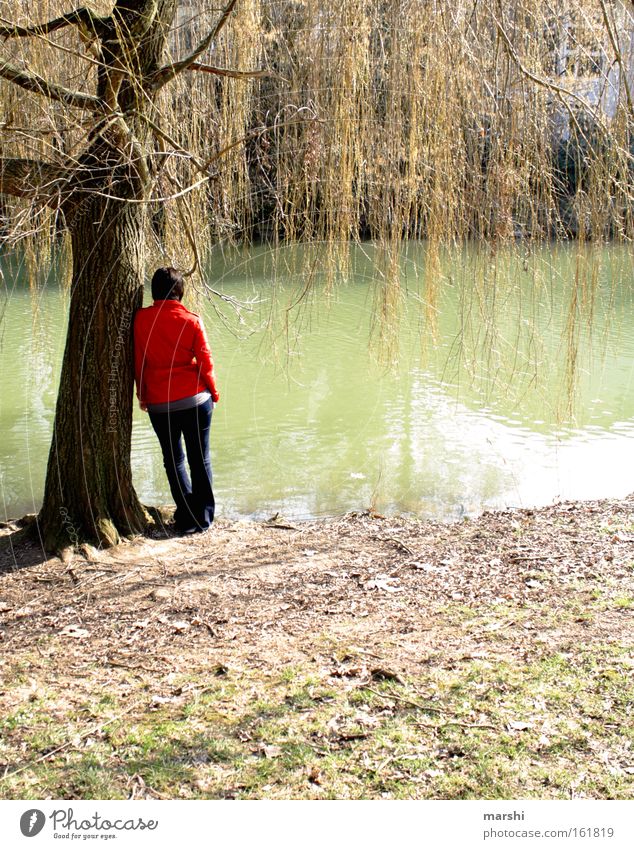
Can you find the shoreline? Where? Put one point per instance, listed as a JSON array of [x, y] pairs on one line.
[[278, 519]]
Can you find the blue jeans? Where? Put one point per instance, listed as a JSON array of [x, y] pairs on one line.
[[194, 499]]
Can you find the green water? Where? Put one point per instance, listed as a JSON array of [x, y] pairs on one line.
[[317, 417]]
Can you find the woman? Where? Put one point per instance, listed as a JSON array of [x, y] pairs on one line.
[[176, 384]]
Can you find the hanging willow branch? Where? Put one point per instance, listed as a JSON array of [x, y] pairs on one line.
[[168, 72], [563, 93], [422, 128], [618, 53]]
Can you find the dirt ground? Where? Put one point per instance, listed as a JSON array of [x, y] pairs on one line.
[[267, 589], [363, 597]]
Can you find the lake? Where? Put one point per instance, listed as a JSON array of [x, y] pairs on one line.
[[498, 379]]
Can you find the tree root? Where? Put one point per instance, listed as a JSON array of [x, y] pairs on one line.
[[66, 544]]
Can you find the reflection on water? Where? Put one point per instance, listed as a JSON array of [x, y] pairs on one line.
[[476, 413]]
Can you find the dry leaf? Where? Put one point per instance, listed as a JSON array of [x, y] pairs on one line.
[[379, 584], [270, 751], [314, 775], [156, 701], [349, 672], [74, 631], [365, 719], [380, 674]]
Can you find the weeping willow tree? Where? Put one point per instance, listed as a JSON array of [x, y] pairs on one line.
[[151, 126]]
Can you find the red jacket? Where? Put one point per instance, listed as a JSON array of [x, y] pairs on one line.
[[172, 359]]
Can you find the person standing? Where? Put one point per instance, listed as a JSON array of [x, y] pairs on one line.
[[176, 385]]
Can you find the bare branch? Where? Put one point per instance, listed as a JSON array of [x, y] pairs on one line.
[[32, 178], [84, 18], [33, 82], [623, 70], [563, 93], [152, 200], [202, 167], [229, 72], [163, 136], [167, 73], [87, 36]]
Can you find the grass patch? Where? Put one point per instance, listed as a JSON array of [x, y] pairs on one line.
[[549, 728]]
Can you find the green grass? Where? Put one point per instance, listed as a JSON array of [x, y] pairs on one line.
[[560, 726]]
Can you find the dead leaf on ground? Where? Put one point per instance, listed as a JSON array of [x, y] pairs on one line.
[[269, 752], [382, 584], [160, 594], [314, 775], [157, 701], [349, 672], [518, 725], [381, 674], [74, 631]]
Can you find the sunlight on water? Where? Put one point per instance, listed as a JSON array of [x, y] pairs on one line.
[[475, 414]]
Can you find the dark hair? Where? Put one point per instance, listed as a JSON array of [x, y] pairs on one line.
[[167, 285]]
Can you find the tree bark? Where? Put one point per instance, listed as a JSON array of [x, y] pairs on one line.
[[89, 492]]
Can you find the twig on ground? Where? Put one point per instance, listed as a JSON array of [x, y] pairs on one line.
[[420, 724], [516, 558], [395, 540], [431, 725], [397, 698], [132, 666]]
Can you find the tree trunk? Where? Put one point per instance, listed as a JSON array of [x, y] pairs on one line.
[[89, 492]]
